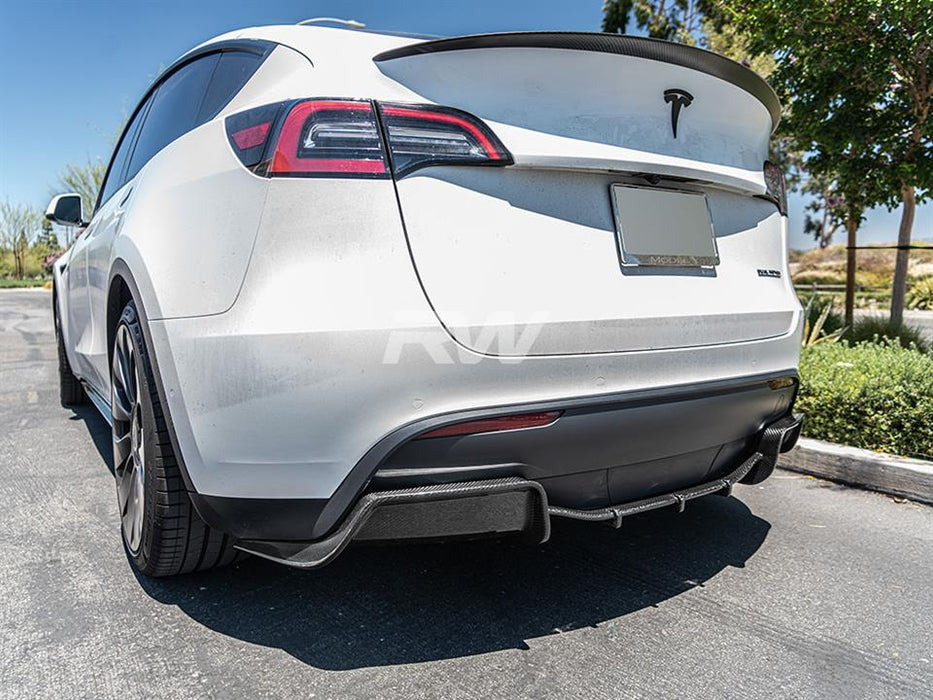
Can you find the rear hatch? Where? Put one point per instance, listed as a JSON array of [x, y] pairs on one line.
[[593, 241]]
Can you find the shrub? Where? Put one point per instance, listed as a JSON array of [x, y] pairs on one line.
[[920, 295], [865, 328], [817, 314], [875, 395], [815, 306], [874, 328]]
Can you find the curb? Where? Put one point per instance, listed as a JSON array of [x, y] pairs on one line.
[[897, 476]]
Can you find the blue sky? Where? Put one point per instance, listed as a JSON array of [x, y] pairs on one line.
[[73, 69]]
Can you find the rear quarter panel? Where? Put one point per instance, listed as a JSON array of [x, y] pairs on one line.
[[189, 232]]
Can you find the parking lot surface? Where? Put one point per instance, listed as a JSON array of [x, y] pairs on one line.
[[794, 588]]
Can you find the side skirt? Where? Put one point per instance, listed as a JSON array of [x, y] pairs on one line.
[[101, 404]]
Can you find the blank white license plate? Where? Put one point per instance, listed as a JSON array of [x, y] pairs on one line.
[[663, 228]]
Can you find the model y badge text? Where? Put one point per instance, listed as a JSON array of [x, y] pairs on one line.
[[678, 99]]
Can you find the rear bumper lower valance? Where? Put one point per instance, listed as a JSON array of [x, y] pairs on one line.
[[500, 506]]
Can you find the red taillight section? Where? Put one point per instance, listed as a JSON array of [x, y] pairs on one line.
[[251, 136], [423, 135], [249, 133], [329, 137], [492, 425], [775, 186], [344, 138]]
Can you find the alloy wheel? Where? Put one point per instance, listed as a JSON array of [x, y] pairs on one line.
[[128, 438]]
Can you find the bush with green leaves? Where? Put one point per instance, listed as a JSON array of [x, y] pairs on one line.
[[873, 328], [874, 395], [920, 295], [824, 323]]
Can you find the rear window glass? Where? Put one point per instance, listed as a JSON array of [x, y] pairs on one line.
[[174, 110], [231, 74]]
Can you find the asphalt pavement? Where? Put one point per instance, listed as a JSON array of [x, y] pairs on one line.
[[794, 588]]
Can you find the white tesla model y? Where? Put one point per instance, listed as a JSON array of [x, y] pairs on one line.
[[342, 285]]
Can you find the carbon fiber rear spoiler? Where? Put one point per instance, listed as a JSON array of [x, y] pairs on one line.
[[638, 47]]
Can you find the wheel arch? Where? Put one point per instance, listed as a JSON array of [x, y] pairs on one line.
[[118, 296], [123, 288]]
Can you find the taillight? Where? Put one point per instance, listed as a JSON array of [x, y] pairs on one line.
[[775, 187], [423, 135], [492, 425], [249, 131], [344, 138], [327, 137]]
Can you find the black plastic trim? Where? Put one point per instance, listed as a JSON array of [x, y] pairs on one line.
[[313, 519], [535, 523], [762, 461], [258, 518], [359, 477], [98, 401], [639, 47]]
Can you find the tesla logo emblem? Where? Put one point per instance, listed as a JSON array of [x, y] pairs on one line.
[[678, 98]]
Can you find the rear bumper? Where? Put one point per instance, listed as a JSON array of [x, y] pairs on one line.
[[509, 505], [618, 449]]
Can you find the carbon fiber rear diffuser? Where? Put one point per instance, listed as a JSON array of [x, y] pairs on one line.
[[614, 514], [499, 506]]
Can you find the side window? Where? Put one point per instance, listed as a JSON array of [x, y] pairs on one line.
[[174, 109], [115, 177], [233, 70]]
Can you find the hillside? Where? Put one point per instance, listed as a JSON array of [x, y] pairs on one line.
[[875, 267]]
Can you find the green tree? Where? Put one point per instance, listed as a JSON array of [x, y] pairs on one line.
[[19, 225], [855, 78], [674, 20], [46, 241], [85, 179], [823, 214], [725, 39], [901, 36]]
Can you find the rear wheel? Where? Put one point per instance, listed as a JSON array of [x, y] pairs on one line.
[[70, 391], [163, 534]]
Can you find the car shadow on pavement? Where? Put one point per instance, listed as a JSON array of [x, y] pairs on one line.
[[407, 603], [410, 603], [99, 431]]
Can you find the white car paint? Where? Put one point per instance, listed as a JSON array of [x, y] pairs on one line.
[[271, 303]]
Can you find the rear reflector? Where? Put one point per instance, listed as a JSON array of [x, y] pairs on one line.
[[492, 425], [344, 138], [251, 136]]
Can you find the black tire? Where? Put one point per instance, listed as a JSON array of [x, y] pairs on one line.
[[172, 539], [70, 391]]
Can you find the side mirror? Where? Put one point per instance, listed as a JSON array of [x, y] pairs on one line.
[[65, 209]]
